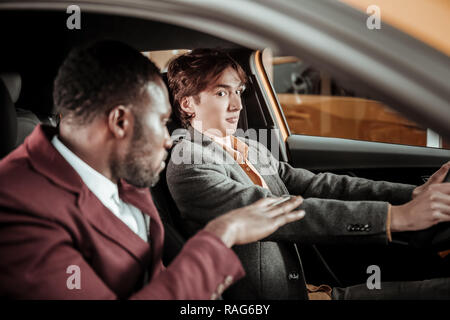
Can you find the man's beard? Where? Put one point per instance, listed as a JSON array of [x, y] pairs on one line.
[[135, 168], [139, 174]]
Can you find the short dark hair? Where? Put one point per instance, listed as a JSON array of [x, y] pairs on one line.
[[192, 73], [96, 77]]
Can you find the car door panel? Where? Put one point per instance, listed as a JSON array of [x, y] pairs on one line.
[[377, 161], [372, 160]]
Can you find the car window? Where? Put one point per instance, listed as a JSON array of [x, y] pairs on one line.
[[162, 57], [315, 104]]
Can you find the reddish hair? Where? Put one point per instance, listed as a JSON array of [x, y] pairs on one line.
[[192, 73]]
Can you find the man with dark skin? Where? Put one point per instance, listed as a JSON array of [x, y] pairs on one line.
[[76, 197]]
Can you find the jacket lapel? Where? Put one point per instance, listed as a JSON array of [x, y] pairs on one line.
[[111, 227], [274, 183], [47, 160], [275, 186], [196, 137], [141, 199]]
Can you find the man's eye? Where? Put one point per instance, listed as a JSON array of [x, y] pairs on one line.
[[221, 93]]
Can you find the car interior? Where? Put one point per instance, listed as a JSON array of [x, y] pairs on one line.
[[30, 59]]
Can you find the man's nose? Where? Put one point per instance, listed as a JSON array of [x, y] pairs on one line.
[[235, 103], [168, 140], [168, 144]]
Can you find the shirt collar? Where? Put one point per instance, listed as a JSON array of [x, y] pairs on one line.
[[239, 149], [102, 187]]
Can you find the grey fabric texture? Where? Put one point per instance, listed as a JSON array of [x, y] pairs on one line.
[[205, 182]]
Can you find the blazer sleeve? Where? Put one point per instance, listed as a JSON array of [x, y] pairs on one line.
[[342, 187], [204, 191], [35, 254], [357, 206]]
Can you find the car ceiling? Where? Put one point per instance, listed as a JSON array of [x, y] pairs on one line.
[[400, 70], [37, 42]]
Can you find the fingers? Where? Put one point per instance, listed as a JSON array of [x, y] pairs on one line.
[[285, 207], [281, 200], [281, 220], [268, 202], [439, 175], [264, 202], [439, 207], [439, 198], [441, 217], [443, 188], [447, 165]]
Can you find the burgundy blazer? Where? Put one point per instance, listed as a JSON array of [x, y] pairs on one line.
[[49, 221]]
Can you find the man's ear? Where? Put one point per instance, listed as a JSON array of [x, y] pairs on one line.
[[120, 120], [187, 105]]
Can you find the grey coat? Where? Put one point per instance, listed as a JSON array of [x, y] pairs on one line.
[[205, 182]]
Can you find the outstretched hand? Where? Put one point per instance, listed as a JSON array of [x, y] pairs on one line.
[[256, 221]]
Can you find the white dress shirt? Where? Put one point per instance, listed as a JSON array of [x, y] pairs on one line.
[[106, 191]]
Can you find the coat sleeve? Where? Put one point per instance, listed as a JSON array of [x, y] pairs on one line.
[[204, 191], [341, 187], [35, 253], [357, 196]]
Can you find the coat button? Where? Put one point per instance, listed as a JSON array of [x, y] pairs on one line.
[[349, 227], [214, 296]]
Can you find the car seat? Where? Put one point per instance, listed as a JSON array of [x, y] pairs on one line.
[[8, 118], [168, 211], [17, 122]]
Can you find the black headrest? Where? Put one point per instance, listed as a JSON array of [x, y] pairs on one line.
[[8, 121], [166, 82], [13, 83], [175, 122], [165, 79]]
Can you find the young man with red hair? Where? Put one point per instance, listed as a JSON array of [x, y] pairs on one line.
[[212, 171]]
